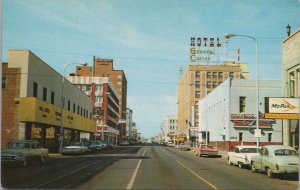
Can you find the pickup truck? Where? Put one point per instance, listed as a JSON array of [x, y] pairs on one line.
[[242, 155], [23, 151]]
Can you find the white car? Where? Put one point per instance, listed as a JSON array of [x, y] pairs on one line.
[[276, 159], [75, 147], [242, 155]]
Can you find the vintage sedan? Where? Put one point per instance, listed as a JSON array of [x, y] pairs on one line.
[[241, 155], [276, 159], [205, 149], [23, 151], [75, 147]]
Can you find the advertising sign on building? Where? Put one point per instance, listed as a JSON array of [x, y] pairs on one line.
[[249, 121], [204, 49], [283, 105]]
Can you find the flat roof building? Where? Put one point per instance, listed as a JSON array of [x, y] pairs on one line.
[[32, 99]]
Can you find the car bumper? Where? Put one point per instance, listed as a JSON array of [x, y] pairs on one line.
[[287, 170]]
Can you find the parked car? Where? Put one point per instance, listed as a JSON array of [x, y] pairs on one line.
[[96, 145], [184, 146], [171, 144], [276, 159], [23, 151], [241, 155], [110, 146], [204, 149], [124, 143], [75, 147]]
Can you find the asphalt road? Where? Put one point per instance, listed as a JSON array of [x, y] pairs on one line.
[[138, 167]]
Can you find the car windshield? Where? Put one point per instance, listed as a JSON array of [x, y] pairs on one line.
[[250, 150], [17, 145], [75, 143], [285, 152]]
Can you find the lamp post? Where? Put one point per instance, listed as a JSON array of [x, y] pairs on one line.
[[61, 135], [228, 36]]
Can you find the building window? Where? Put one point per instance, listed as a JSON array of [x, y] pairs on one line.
[[74, 108], [242, 104], [197, 84], [3, 82], [83, 87], [88, 87], [197, 74], [240, 136], [98, 99], [215, 84], [99, 88], [69, 105], [35, 89], [119, 83], [215, 75], [208, 84], [52, 97], [220, 75], [119, 76], [44, 94], [231, 74], [269, 137], [292, 84], [197, 94], [78, 110], [208, 75]]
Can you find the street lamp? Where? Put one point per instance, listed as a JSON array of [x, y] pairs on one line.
[[61, 135], [228, 36]]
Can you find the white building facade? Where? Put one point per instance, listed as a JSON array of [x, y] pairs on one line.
[[169, 128], [228, 114]]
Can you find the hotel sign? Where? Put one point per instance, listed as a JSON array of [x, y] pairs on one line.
[[202, 49]]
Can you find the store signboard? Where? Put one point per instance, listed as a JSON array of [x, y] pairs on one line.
[[282, 105]]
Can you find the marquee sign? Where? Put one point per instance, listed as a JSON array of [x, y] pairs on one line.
[[202, 49], [249, 120]]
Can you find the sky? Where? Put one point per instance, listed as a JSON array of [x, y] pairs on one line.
[[149, 40]]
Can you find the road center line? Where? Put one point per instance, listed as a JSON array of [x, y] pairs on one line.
[[202, 179], [130, 184]]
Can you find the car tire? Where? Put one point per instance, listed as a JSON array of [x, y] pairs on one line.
[[25, 162], [240, 165], [42, 160], [254, 170], [269, 172], [229, 162]]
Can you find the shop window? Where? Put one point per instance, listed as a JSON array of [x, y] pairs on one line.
[[242, 104], [231, 74]]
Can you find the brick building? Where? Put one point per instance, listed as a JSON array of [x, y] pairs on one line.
[[104, 68]]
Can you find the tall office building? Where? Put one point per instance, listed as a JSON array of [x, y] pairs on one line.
[[196, 83], [104, 68]]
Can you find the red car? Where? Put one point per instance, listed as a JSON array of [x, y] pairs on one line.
[[207, 150]]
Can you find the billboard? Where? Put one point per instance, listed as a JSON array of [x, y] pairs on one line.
[[282, 105]]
